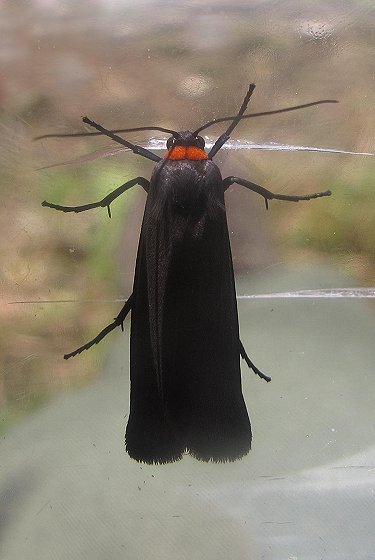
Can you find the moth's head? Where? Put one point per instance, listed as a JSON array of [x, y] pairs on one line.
[[185, 138]]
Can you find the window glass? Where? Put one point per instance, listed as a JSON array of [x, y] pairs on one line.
[[304, 275]]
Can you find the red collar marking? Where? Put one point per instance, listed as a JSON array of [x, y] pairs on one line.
[[186, 152]]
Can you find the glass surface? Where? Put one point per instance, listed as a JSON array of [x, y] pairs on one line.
[[67, 487]]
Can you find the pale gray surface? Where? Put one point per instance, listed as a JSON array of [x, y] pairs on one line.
[[306, 490]]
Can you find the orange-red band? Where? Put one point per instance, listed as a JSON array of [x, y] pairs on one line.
[[186, 152]]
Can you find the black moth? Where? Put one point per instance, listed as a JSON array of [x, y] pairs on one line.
[[185, 348]]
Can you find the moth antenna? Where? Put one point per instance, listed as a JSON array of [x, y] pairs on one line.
[[264, 113], [82, 134]]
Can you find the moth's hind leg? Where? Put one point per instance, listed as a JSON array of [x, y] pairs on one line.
[[244, 355], [118, 321]]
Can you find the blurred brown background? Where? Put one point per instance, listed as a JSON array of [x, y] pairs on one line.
[[178, 65]]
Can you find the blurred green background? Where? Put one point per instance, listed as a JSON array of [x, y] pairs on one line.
[[176, 65]]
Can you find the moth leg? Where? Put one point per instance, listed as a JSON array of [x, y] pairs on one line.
[[226, 135], [268, 195], [133, 147], [251, 365], [106, 201], [119, 320]]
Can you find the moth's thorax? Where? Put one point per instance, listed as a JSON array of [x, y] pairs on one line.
[[186, 152]]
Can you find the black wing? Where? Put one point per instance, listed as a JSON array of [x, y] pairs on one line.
[[185, 373]]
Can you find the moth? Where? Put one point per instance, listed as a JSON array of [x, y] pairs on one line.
[[185, 347]]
